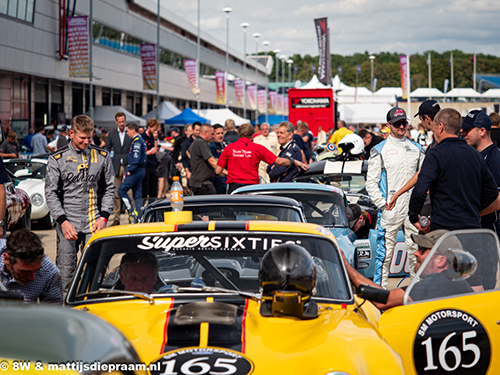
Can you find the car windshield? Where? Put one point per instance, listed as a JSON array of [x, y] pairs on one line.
[[350, 183], [458, 261], [320, 207], [230, 212], [23, 170], [229, 260]]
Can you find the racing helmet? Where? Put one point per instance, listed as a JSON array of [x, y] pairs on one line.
[[326, 151], [352, 143], [287, 267]]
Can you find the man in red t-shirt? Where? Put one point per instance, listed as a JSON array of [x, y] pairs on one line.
[[242, 158]]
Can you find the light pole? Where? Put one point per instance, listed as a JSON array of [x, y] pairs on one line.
[[198, 64], [158, 62], [91, 88], [372, 59], [266, 43], [245, 26], [276, 52], [289, 62], [256, 36], [282, 58], [227, 10]]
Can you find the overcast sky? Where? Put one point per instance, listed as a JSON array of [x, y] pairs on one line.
[[404, 26]]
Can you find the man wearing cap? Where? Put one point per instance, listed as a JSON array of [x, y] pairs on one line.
[[370, 140], [393, 162], [460, 185], [437, 280], [476, 128], [361, 221], [426, 113], [25, 269]]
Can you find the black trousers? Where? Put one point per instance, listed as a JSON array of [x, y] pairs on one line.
[[150, 184]]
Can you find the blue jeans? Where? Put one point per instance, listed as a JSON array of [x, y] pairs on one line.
[[134, 182]]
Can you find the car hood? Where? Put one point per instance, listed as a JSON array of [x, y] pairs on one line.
[[31, 185], [339, 339]]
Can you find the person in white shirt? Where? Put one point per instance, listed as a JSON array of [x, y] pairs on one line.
[[270, 141]]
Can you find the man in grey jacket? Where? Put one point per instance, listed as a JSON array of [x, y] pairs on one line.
[[79, 188]]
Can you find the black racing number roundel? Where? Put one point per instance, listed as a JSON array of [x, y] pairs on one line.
[[200, 361], [453, 342]]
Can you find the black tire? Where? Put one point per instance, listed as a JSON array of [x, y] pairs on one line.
[[46, 222], [25, 221]]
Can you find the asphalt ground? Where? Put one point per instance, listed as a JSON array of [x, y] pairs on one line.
[[49, 240]]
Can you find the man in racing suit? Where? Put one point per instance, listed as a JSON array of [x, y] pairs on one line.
[[79, 188], [392, 163]]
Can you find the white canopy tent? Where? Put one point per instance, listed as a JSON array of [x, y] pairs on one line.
[[105, 116], [337, 84], [219, 116], [354, 95], [424, 92], [365, 113], [167, 110], [314, 83], [463, 93], [491, 93]]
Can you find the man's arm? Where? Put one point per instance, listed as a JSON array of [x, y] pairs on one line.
[[3, 204], [428, 174], [108, 178], [411, 182], [495, 206], [52, 292]]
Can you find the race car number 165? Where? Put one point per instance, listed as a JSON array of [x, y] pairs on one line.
[[451, 341], [201, 361]]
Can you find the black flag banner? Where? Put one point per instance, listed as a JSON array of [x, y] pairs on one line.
[[324, 65]]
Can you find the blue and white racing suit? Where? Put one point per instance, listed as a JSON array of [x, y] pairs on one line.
[[392, 163]]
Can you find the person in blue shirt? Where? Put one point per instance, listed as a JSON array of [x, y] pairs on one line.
[[136, 170], [289, 150]]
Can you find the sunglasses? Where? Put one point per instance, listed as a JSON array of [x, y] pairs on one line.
[[26, 254], [400, 124]]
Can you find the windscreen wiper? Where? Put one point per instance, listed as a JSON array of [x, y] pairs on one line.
[[100, 291]]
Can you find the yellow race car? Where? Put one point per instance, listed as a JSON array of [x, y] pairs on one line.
[[231, 298]]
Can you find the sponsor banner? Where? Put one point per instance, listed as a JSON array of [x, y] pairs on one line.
[[148, 62], [285, 105], [191, 68], [311, 102], [272, 101], [261, 97], [324, 70], [239, 89], [403, 64], [251, 96], [279, 104], [78, 47], [220, 86]]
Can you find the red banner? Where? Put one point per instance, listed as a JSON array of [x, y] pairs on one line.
[[148, 62], [272, 101], [239, 89], [78, 47], [220, 86], [261, 97], [251, 96], [403, 64], [191, 69]]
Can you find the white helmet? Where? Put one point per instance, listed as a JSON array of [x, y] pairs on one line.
[[354, 142]]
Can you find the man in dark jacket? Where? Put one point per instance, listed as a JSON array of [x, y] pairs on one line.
[[289, 150], [370, 140]]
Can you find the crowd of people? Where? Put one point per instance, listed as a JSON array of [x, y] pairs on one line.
[[90, 176]]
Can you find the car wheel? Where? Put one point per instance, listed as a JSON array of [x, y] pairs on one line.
[[25, 221], [46, 222]]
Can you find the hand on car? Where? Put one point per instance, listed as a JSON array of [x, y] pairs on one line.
[[99, 224]]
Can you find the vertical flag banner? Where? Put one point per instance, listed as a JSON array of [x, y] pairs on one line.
[[272, 101], [279, 104], [403, 64], [324, 69], [191, 68], [261, 98], [78, 47], [220, 86], [285, 105], [148, 63], [239, 90], [251, 96]]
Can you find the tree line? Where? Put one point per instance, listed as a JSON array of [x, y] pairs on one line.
[[387, 69]]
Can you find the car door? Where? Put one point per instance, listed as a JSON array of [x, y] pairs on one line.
[[453, 334]]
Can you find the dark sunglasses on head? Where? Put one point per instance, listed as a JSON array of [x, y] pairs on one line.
[[26, 254], [400, 124]]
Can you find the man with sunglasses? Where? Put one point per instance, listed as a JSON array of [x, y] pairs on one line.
[[393, 162], [25, 269]]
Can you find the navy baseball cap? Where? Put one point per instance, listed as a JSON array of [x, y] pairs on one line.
[[64, 128], [476, 118], [175, 129], [353, 213], [396, 114], [429, 107]]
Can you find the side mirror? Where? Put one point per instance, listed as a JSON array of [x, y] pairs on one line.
[[373, 294]]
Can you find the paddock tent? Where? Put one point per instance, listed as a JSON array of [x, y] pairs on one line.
[[219, 116], [364, 113], [105, 116], [186, 117], [167, 110]]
